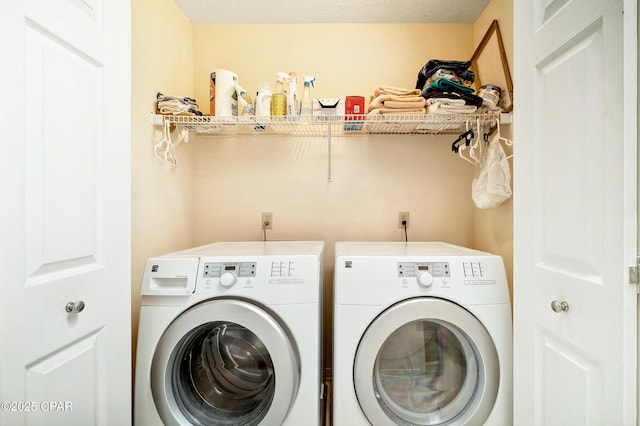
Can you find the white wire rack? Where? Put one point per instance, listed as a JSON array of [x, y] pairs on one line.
[[334, 126], [409, 124]]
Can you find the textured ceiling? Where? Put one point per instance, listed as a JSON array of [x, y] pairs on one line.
[[331, 11]]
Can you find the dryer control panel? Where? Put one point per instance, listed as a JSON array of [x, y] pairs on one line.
[[240, 270], [413, 269]]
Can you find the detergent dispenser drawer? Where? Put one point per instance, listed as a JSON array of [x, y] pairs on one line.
[[170, 277]]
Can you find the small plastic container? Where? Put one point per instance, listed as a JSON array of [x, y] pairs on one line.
[[490, 95]]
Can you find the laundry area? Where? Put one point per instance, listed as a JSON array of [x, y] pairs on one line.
[[221, 185], [279, 214], [423, 154], [317, 181]]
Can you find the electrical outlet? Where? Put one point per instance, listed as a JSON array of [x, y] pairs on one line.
[[267, 220], [403, 217]]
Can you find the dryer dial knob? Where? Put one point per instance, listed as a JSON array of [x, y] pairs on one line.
[[228, 279], [425, 279]]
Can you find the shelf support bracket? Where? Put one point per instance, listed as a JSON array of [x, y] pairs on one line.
[[329, 151]]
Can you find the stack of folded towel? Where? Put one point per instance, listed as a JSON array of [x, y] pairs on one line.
[[394, 100], [446, 86], [172, 105]]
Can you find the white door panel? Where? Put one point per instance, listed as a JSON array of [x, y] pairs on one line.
[[573, 234], [65, 210], [63, 235], [570, 385], [64, 385]]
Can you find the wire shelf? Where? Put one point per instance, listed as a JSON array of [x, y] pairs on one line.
[[409, 124]]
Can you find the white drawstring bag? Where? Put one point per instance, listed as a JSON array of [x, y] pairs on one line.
[[492, 186]]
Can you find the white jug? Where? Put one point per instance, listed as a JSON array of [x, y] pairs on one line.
[[223, 101]]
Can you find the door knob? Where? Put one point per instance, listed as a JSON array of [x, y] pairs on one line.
[[75, 307], [559, 306]]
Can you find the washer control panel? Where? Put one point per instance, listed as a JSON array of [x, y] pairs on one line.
[[240, 270], [473, 269], [414, 269], [284, 272]]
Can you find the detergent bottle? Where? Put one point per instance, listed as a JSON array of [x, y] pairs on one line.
[[245, 100], [263, 100], [307, 102], [278, 98]]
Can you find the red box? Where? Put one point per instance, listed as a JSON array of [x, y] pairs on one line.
[[354, 111], [354, 105]]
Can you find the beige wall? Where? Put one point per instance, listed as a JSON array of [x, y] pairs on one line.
[[346, 59], [493, 229], [222, 185], [162, 60], [374, 177]]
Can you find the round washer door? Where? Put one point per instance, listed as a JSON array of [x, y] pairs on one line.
[[224, 362], [426, 361]]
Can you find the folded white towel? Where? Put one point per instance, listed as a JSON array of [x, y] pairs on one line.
[[388, 90], [175, 107], [172, 111], [446, 101], [386, 111], [440, 108], [405, 104], [396, 101], [161, 98]]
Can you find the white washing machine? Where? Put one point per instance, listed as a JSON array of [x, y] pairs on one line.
[[422, 336], [231, 334]]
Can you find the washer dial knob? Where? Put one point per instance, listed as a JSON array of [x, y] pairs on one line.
[[228, 279], [425, 279]]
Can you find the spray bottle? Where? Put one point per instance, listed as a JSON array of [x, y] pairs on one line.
[[278, 98], [292, 97], [307, 101]]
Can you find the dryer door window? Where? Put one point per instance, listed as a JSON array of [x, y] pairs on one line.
[[426, 362], [223, 374], [242, 369]]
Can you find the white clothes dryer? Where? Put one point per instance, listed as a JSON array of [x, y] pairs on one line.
[[422, 336], [231, 334]]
